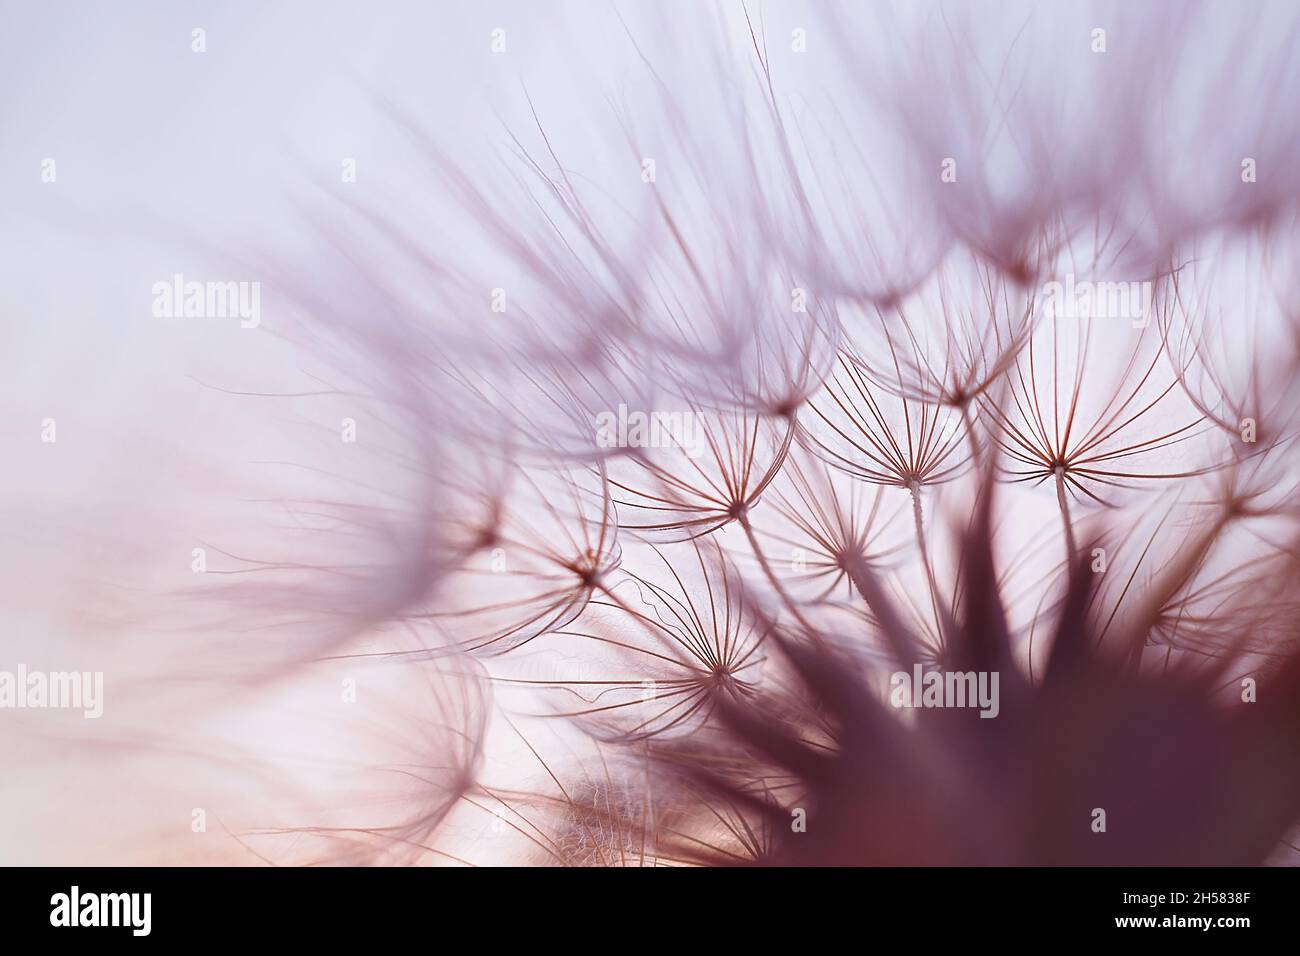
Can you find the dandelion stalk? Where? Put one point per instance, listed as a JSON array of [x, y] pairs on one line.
[[914, 488], [770, 574], [1066, 524]]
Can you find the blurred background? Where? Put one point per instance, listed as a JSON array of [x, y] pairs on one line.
[[297, 145]]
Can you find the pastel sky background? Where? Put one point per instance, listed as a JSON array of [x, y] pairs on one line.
[[223, 164]]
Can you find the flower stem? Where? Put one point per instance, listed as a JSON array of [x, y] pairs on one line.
[[771, 576], [915, 488], [1065, 516], [969, 426]]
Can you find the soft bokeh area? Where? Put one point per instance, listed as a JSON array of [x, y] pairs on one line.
[[536, 433]]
